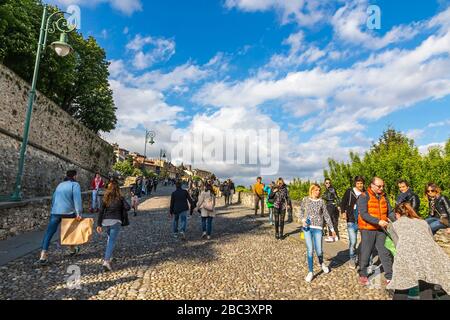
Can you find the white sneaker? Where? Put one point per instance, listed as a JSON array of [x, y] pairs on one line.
[[336, 239], [325, 268], [329, 239], [203, 235], [107, 266], [309, 277], [208, 237]]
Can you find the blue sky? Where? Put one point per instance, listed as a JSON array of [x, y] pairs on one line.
[[310, 69]]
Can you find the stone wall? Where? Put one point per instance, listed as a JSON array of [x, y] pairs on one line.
[[57, 142], [246, 199], [34, 214]]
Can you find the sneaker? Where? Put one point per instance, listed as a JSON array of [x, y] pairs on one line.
[[364, 281], [203, 235], [107, 266], [370, 269], [175, 235], [329, 239], [309, 277], [75, 251], [387, 282], [336, 238], [208, 237], [182, 236], [325, 268], [42, 262], [352, 264]]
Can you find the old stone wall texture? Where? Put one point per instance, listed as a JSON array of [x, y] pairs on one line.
[[57, 142]]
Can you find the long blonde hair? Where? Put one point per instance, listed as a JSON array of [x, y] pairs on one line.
[[112, 193]]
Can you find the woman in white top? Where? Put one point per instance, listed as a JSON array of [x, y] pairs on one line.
[[206, 204], [313, 210]]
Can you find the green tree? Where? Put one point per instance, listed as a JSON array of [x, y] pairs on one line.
[[78, 83], [125, 168]]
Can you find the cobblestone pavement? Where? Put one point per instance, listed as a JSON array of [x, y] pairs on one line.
[[243, 260]]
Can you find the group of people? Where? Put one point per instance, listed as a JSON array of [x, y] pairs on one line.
[[67, 203], [419, 262]]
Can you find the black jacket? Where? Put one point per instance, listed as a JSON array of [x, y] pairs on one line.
[[442, 208], [179, 201], [411, 197], [348, 204], [330, 196], [114, 211]]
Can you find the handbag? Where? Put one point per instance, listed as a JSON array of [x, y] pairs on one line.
[[208, 204], [75, 232], [125, 208]]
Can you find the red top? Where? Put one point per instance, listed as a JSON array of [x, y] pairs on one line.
[[95, 183]]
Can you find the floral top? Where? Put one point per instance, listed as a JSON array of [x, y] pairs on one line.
[[316, 210], [281, 197]]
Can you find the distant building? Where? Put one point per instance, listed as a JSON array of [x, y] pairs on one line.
[[202, 173], [121, 154]]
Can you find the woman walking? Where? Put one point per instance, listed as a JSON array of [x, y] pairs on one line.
[[111, 218], [270, 201], [207, 203], [313, 211], [280, 205], [419, 260]]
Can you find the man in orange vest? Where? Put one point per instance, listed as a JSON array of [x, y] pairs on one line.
[[374, 211]]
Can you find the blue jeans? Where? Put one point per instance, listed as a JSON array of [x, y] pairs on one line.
[[113, 233], [55, 220], [177, 217], [95, 200], [207, 225], [352, 229], [435, 224], [313, 238]]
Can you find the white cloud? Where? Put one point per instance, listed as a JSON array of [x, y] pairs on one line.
[[425, 149], [302, 12], [161, 49], [127, 7]]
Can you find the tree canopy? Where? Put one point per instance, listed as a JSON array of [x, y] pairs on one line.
[[78, 83]]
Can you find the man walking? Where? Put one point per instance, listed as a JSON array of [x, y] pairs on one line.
[[66, 203], [374, 212], [258, 192], [179, 208]]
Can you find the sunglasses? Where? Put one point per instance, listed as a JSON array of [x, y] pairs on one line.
[[379, 187]]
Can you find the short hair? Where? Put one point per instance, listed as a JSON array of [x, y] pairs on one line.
[[327, 179], [403, 181], [178, 184], [71, 173], [259, 178], [312, 187], [359, 179]]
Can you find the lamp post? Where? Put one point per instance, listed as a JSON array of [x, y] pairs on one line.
[[62, 49], [149, 135]]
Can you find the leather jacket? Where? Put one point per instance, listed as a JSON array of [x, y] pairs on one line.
[[330, 196], [442, 208], [411, 197]]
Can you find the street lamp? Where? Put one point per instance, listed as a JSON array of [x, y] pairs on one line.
[[149, 135], [62, 49]]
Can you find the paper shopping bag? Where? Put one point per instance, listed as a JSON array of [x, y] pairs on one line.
[[75, 232]]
